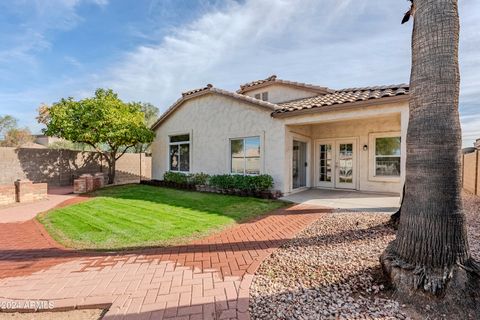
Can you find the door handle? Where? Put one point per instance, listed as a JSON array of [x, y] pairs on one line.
[[306, 164]]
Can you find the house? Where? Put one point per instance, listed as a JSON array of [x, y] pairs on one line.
[[303, 135], [45, 140]]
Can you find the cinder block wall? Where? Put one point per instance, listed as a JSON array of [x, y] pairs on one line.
[[478, 172], [128, 168], [60, 167], [471, 172]]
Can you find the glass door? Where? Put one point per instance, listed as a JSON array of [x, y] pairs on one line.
[[325, 164], [299, 164], [345, 164]]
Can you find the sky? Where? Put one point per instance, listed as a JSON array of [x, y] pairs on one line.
[[152, 50]]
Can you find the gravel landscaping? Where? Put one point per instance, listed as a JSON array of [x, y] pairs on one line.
[[331, 270]]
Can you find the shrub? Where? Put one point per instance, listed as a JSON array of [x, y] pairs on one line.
[[262, 182], [221, 181], [198, 178], [175, 177]]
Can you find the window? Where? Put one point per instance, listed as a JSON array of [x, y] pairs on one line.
[[179, 155], [245, 155], [387, 156], [262, 96], [265, 96], [325, 163]]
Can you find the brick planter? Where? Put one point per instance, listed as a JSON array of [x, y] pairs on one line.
[[79, 186], [98, 181], [27, 191], [88, 181], [7, 194]]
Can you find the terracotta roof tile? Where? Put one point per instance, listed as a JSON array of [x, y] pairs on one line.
[[273, 78], [342, 96]]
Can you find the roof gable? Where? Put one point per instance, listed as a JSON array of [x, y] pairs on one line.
[[210, 89]]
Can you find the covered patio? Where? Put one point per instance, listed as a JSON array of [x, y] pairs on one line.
[[348, 200]]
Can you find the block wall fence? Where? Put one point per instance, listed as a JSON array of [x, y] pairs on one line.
[[471, 172], [61, 167]]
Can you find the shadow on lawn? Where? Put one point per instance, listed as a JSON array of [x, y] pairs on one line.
[[334, 239], [207, 202]]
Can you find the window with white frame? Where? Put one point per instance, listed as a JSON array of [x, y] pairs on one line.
[[179, 153], [262, 96], [245, 155], [387, 156]]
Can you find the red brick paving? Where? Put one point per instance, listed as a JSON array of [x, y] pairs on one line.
[[206, 279]]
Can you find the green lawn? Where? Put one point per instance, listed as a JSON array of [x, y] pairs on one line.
[[140, 215]]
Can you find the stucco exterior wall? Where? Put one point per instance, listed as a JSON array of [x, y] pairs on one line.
[[359, 123], [281, 93], [362, 130], [212, 120]]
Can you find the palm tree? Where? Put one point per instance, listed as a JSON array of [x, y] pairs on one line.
[[430, 261]]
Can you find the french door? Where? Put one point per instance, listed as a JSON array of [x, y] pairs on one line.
[[336, 163]]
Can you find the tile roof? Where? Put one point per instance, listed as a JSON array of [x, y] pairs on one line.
[[273, 78], [190, 92], [343, 96], [323, 100]]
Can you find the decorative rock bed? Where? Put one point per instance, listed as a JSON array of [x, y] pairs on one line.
[[331, 270]]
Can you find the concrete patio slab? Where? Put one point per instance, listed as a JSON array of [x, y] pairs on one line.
[[349, 200]]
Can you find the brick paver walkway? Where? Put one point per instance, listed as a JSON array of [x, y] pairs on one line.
[[206, 279], [22, 212]]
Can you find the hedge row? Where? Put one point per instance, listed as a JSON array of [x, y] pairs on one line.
[[262, 182]]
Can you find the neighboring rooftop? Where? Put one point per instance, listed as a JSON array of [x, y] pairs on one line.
[[273, 79], [343, 96]]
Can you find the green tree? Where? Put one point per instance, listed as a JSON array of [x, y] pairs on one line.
[[150, 112], [7, 122], [104, 122], [150, 116], [429, 262], [17, 137]]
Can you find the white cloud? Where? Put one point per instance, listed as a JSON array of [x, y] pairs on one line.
[[320, 41], [336, 43], [333, 43]]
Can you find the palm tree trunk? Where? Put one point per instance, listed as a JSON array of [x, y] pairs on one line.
[[430, 255], [395, 218]]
